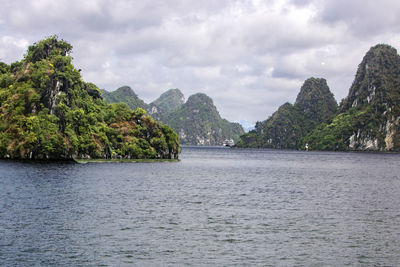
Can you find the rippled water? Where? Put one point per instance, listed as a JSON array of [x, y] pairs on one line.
[[216, 207]]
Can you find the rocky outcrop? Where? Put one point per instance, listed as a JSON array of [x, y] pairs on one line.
[[126, 95], [369, 116], [168, 102], [315, 101], [377, 80], [49, 112], [290, 123], [198, 123]]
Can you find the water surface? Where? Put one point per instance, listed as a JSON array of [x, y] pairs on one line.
[[216, 207]]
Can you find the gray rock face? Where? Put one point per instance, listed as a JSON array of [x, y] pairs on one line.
[[377, 80], [198, 123], [368, 118], [376, 90], [168, 102]]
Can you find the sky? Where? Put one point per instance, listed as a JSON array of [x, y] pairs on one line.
[[249, 56]]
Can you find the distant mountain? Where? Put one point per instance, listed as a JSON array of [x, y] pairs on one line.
[[369, 117], [168, 102], [126, 95], [290, 123], [197, 121], [315, 102], [247, 125]]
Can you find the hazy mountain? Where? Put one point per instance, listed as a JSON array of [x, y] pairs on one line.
[[197, 121], [290, 123], [168, 102], [126, 95]]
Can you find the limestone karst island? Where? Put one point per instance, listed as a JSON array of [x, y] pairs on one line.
[[197, 121], [367, 119], [49, 112]]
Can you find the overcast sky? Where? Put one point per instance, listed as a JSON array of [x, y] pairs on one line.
[[250, 56]]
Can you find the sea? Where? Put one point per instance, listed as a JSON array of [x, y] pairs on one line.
[[215, 207]]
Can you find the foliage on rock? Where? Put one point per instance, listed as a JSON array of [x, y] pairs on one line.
[[168, 102], [290, 123], [198, 122], [126, 95], [49, 112], [369, 117]]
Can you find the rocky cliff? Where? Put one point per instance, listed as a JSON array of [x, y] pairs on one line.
[[126, 95], [290, 123], [168, 102], [49, 112], [369, 116], [198, 122]]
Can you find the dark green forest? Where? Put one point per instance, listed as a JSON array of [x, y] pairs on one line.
[[367, 119], [290, 123], [49, 112]]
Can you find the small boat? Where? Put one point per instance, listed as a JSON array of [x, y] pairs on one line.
[[228, 143]]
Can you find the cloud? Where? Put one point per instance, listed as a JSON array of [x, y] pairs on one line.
[[12, 47], [363, 18], [250, 56]]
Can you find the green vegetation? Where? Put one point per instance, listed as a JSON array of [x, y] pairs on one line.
[[335, 134], [290, 123], [168, 102], [197, 121], [49, 112], [367, 119], [369, 116], [126, 95]]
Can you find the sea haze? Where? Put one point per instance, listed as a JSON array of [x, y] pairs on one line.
[[217, 206]]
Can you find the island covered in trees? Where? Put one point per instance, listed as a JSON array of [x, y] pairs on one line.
[[368, 119], [48, 112], [197, 121]]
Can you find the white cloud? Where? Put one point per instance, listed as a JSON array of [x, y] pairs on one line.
[[12, 48], [250, 56]]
